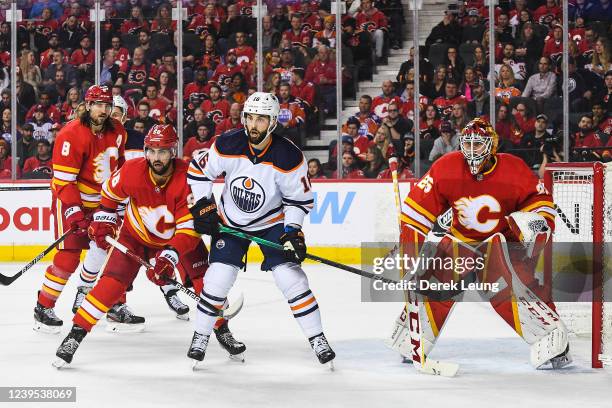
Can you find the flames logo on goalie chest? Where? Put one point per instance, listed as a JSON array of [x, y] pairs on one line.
[[247, 194], [480, 213]]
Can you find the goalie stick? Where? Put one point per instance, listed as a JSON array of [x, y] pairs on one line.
[[228, 313], [7, 280], [411, 310]]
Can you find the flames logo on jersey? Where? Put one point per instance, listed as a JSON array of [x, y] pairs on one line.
[[247, 194], [368, 26], [469, 211], [158, 221], [137, 76], [216, 116], [105, 163]]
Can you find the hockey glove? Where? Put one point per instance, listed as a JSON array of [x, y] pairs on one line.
[[76, 219], [294, 244], [205, 216], [104, 224], [165, 262]]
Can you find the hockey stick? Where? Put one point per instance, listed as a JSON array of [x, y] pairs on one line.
[[24, 188], [7, 280], [419, 359], [228, 313], [319, 259]]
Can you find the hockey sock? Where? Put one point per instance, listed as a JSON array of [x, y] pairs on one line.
[[56, 276], [94, 259], [305, 309], [218, 281], [97, 302]]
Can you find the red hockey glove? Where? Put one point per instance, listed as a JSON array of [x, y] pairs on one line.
[[104, 224], [76, 219], [165, 262]]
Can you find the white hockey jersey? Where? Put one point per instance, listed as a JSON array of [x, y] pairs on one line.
[[260, 190]]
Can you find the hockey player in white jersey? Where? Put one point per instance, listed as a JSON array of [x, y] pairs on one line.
[[267, 194]]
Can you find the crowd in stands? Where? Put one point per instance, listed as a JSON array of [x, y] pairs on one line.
[[56, 64], [454, 88]]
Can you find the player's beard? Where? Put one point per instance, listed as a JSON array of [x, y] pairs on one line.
[[256, 137], [158, 168]]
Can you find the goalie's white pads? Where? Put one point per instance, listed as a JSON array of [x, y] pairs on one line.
[[553, 348], [531, 229]]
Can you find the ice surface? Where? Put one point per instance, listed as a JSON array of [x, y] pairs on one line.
[[151, 369]]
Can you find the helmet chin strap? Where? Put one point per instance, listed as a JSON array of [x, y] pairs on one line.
[[262, 143]]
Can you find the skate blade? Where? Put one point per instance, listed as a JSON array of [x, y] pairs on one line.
[[184, 317], [237, 357], [59, 364], [330, 365], [124, 328], [43, 328], [197, 365]]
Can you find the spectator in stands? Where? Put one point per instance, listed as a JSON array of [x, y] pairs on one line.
[[602, 58], [528, 47], [547, 13], [83, 60], [472, 33], [479, 106], [579, 9], [542, 85], [507, 86], [223, 73], [407, 101], [279, 18], [397, 126], [296, 35], [6, 161], [139, 126], [382, 141], [480, 64], [135, 22], [375, 163], [159, 106], [586, 141], [508, 58], [327, 35], [606, 93], [315, 171], [152, 53], [190, 129], [197, 91], [450, 98], [553, 47], [210, 57], [465, 88], [406, 160], [58, 64], [524, 117], [232, 24], [245, 54], [446, 143], [46, 56], [71, 33], [291, 117], [50, 110], [41, 124], [231, 122], [270, 36], [380, 102], [541, 143], [135, 73], [600, 116], [360, 44], [206, 23], [458, 117], [238, 89], [73, 99], [507, 129], [322, 72], [370, 19], [430, 124], [202, 141], [439, 82], [601, 11], [122, 54], [39, 6], [447, 31], [360, 142], [273, 83], [39, 166], [143, 111], [216, 108], [505, 32], [109, 71], [29, 70], [349, 168], [163, 22], [5, 126], [454, 64], [303, 91], [55, 128], [26, 145]]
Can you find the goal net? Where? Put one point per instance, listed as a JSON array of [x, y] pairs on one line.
[[576, 265]]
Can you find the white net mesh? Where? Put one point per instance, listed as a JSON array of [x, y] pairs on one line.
[[572, 264]]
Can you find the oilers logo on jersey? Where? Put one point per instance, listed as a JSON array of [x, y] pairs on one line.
[[247, 194]]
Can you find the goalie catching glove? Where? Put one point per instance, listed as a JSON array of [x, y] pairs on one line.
[[205, 216], [531, 229], [163, 267], [294, 244]]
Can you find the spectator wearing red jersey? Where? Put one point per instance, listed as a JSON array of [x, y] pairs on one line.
[[547, 12], [322, 73], [163, 22], [203, 140], [370, 19], [360, 142], [407, 101], [135, 22], [216, 108], [121, 53], [224, 72], [207, 22], [506, 127], [245, 54], [83, 60], [46, 57], [296, 35], [197, 91], [585, 138], [231, 122], [50, 110], [380, 102], [291, 116], [158, 104], [524, 118], [349, 167], [134, 74], [47, 23], [451, 96], [6, 161], [39, 166], [302, 90], [553, 46]]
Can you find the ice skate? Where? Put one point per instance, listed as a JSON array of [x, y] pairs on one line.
[[175, 304], [45, 320], [324, 352], [122, 320], [226, 339], [69, 346], [197, 349]]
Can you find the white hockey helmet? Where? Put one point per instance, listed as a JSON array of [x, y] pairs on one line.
[[119, 102], [262, 103]]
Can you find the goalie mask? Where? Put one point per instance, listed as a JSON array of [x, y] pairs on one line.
[[261, 103], [478, 143]]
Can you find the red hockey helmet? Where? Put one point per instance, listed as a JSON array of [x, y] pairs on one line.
[[97, 93], [161, 137]]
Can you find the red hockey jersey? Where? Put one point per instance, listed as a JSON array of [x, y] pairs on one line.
[[479, 207]]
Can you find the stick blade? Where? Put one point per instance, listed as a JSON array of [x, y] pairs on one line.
[[7, 280], [234, 308], [437, 367]]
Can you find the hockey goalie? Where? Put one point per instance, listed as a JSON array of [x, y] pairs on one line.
[[497, 204]]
